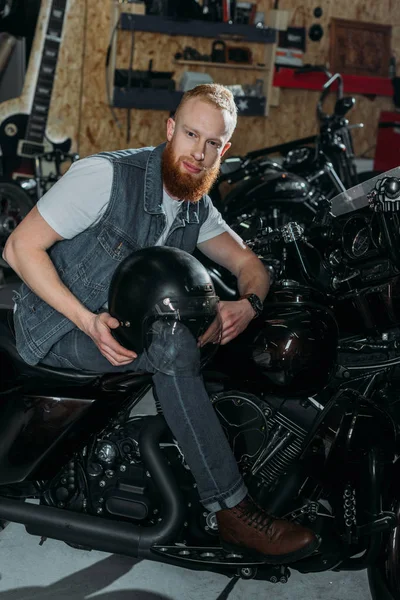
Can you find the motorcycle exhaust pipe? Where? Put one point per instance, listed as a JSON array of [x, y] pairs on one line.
[[109, 535]]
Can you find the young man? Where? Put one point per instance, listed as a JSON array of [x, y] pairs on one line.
[[67, 249]]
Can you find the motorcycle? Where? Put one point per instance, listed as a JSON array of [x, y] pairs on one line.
[[315, 440], [348, 262], [331, 161], [256, 191]]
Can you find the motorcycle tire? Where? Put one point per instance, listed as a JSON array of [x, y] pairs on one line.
[[383, 577]]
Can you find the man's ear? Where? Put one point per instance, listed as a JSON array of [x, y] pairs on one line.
[[170, 128], [225, 148]]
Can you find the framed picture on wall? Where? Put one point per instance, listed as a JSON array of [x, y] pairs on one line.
[[358, 48]]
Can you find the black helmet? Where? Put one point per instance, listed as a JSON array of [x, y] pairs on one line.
[[164, 299]]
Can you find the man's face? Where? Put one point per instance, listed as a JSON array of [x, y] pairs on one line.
[[197, 140]]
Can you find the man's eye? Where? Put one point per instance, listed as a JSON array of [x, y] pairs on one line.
[[190, 133]]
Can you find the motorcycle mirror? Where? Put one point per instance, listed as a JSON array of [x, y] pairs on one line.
[[343, 105]]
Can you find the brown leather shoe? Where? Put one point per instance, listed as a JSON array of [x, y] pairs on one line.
[[248, 526]]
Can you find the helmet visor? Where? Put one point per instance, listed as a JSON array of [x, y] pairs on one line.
[[181, 336]]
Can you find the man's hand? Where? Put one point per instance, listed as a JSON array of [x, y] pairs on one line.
[[234, 316], [98, 329]]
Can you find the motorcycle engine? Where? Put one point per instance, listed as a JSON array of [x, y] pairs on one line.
[[265, 434], [110, 479]]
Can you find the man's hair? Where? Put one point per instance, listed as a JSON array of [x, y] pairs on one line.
[[217, 95]]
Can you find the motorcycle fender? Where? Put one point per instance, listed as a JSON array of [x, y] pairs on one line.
[[33, 429], [39, 433]]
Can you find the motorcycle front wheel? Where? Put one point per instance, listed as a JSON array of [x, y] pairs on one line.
[[384, 575]]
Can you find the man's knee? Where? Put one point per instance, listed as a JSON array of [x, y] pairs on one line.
[[174, 349]]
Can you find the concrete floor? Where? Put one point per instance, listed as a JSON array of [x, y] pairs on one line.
[[55, 571]]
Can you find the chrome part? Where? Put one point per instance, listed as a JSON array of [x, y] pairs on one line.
[[292, 232], [107, 452], [211, 520]]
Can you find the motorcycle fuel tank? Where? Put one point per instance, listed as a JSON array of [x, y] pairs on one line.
[[268, 188]]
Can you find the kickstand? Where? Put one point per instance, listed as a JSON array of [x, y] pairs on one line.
[[43, 539], [227, 590]]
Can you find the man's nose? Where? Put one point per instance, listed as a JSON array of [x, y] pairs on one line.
[[198, 151]]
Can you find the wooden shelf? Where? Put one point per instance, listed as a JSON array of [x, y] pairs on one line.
[[209, 63], [158, 99], [197, 28]]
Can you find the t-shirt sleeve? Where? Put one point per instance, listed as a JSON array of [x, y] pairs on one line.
[[80, 198], [214, 225]]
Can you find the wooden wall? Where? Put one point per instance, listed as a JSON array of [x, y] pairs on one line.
[[65, 108], [63, 120], [295, 115], [80, 108]]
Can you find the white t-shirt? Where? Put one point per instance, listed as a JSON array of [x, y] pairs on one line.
[[80, 198]]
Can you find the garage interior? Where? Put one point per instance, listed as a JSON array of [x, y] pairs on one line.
[[119, 74]]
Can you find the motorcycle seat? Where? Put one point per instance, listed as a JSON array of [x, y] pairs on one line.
[[54, 374]]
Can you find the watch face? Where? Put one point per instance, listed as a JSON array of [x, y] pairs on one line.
[[256, 303]]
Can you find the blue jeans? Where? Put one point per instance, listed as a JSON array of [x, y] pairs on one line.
[[187, 409]]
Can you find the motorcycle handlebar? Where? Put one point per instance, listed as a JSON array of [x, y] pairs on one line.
[[327, 86], [326, 91], [289, 233], [265, 237]]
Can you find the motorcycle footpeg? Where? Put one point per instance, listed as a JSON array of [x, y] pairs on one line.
[[213, 555], [278, 559]]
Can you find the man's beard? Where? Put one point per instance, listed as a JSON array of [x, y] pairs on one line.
[[186, 186]]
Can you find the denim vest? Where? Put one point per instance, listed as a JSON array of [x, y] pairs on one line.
[[134, 219]]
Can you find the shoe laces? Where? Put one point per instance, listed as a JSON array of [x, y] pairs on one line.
[[256, 516]]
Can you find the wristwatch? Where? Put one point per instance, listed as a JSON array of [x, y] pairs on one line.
[[255, 302]]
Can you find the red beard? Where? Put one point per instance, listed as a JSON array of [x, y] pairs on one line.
[[186, 186]]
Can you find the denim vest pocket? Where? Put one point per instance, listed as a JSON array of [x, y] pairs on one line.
[[117, 244], [96, 270]]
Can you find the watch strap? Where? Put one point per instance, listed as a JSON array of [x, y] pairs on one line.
[[255, 302]]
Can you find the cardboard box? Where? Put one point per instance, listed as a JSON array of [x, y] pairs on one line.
[[278, 19]]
